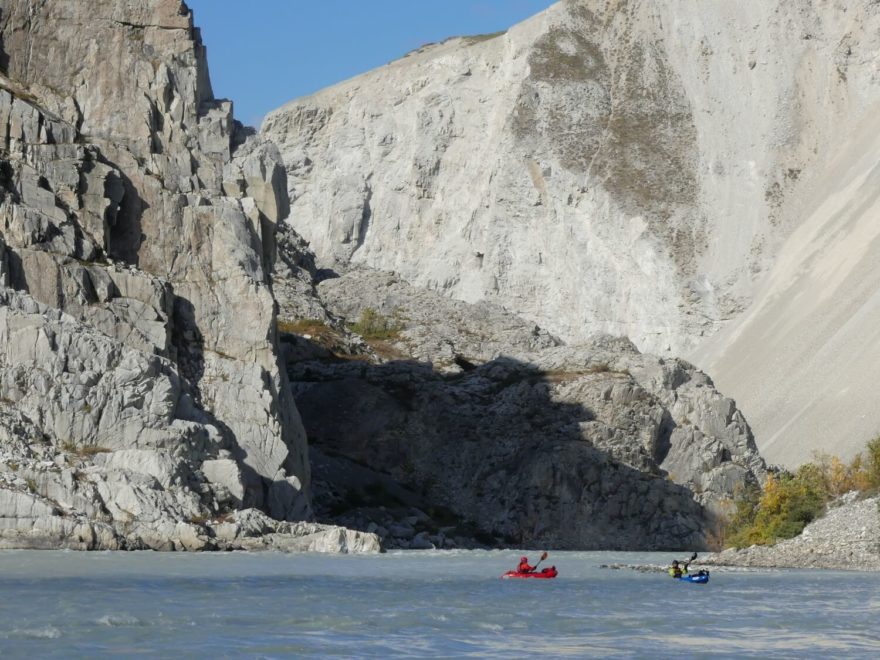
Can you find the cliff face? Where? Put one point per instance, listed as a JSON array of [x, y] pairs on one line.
[[810, 337], [594, 446], [136, 235], [628, 167]]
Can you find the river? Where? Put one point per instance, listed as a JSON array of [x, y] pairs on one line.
[[420, 604]]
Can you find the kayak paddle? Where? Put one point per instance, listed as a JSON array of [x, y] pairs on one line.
[[543, 557]]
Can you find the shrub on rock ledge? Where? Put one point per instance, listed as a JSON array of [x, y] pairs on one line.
[[373, 325]]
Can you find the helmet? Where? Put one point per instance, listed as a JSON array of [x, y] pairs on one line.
[[523, 559], [675, 562]]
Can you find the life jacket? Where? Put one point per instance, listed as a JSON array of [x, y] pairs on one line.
[[677, 571], [524, 567]]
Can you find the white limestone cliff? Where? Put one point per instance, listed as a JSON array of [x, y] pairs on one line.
[[637, 168], [138, 349], [811, 337]]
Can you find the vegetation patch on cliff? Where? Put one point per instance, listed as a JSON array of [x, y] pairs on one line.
[[788, 501], [374, 325], [302, 327], [480, 38]]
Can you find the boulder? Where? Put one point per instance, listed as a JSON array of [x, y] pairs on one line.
[[226, 474]]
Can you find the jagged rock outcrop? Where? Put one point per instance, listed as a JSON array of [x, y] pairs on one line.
[[636, 168], [137, 323], [294, 275], [434, 329], [58, 493], [592, 446]]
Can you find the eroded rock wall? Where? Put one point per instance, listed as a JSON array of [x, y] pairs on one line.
[[137, 224], [591, 446]]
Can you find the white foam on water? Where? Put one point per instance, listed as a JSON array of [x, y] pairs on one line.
[[49, 632], [493, 627], [119, 620]]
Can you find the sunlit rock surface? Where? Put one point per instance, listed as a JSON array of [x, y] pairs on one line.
[[141, 399], [659, 170]]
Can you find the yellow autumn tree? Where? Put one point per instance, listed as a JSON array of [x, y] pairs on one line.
[[788, 502]]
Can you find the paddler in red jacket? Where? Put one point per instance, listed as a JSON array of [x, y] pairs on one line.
[[524, 566]]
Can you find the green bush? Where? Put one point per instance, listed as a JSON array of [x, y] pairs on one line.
[[786, 505], [373, 325], [871, 464], [789, 502], [745, 500]]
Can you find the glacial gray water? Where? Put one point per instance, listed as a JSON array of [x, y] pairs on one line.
[[420, 604]]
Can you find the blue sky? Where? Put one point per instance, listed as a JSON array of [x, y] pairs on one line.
[[263, 53]]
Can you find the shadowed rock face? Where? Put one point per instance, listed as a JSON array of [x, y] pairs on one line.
[[591, 446], [632, 168], [137, 224], [511, 450]]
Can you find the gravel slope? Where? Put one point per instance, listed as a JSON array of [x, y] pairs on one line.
[[847, 537]]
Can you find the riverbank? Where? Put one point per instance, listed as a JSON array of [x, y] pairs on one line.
[[847, 537]]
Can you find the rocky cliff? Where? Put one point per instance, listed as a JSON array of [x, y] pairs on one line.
[[489, 418], [636, 168], [141, 400]]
